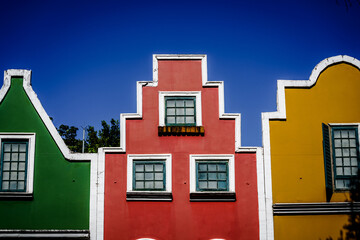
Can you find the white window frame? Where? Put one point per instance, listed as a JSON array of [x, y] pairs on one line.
[[30, 137], [149, 157], [163, 95], [208, 158]]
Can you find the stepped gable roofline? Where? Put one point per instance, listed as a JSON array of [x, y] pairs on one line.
[[26, 75], [280, 114], [205, 83]]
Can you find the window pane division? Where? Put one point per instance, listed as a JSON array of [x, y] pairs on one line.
[[180, 111], [149, 175], [212, 176], [13, 166], [345, 154]]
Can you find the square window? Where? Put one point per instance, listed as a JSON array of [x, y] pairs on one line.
[[212, 178], [344, 145], [17, 163], [149, 177], [180, 111]]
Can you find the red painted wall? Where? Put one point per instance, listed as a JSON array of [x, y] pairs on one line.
[[181, 219]]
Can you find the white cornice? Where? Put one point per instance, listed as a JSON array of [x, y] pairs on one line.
[[280, 114]]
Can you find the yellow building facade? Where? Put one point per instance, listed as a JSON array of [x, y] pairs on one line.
[[311, 150]]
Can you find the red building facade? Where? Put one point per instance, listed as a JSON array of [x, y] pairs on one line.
[[180, 171]]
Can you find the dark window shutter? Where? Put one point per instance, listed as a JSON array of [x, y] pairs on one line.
[[327, 161]]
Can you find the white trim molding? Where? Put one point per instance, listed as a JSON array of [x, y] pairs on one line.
[[208, 158], [280, 114], [47, 234], [163, 95], [30, 138], [149, 157]]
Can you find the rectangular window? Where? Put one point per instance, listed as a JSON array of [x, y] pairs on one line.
[[345, 155], [149, 175], [14, 161], [212, 176], [180, 111]]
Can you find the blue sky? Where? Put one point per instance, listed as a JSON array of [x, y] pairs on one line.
[[86, 56]]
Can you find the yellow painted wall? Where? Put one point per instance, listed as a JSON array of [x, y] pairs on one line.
[[308, 227], [297, 160]]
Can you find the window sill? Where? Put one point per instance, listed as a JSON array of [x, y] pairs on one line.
[[6, 196], [149, 196], [212, 197], [181, 131]]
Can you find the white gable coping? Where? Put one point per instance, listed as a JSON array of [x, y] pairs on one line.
[[281, 114], [92, 157]]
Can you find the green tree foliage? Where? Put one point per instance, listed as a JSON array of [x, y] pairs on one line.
[[107, 136]]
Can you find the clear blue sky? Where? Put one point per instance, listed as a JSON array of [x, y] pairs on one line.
[[86, 56]]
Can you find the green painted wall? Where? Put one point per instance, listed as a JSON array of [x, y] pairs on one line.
[[61, 188]]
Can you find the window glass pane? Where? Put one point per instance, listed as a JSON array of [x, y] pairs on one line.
[[158, 167], [6, 156], [7, 147], [14, 157], [337, 143], [354, 162], [22, 157], [189, 111], [345, 143], [6, 176], [13, 176], [347, 171], [15, 147], [338, 161], [13, 166], [21, 166], [202, 176], [339, 171], [5, 185], [180, 119], [202, 185], [6, 166], [170, 120], [222, 185], [22, 147], [212, 176], [346, 152], [21, 176], [13, 185], [212, 184], [149, 185], [149, 176], [171, 111], [352, 143], [170, 103], [339, 183], [139, 185], [149, 167], [21, 185], [190, 120], [202, 166], [336, 134], [212, 167], [159, 176], [180, 111], [179, 103], [222, 176], [346, 161], [139, 176], [159, 184], [354, 170], [338, 152], [353, 152], [344, 134], [189, 103], [139, 167]]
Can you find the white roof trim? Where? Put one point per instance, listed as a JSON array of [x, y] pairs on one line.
[[26, 74], [281, 114]]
